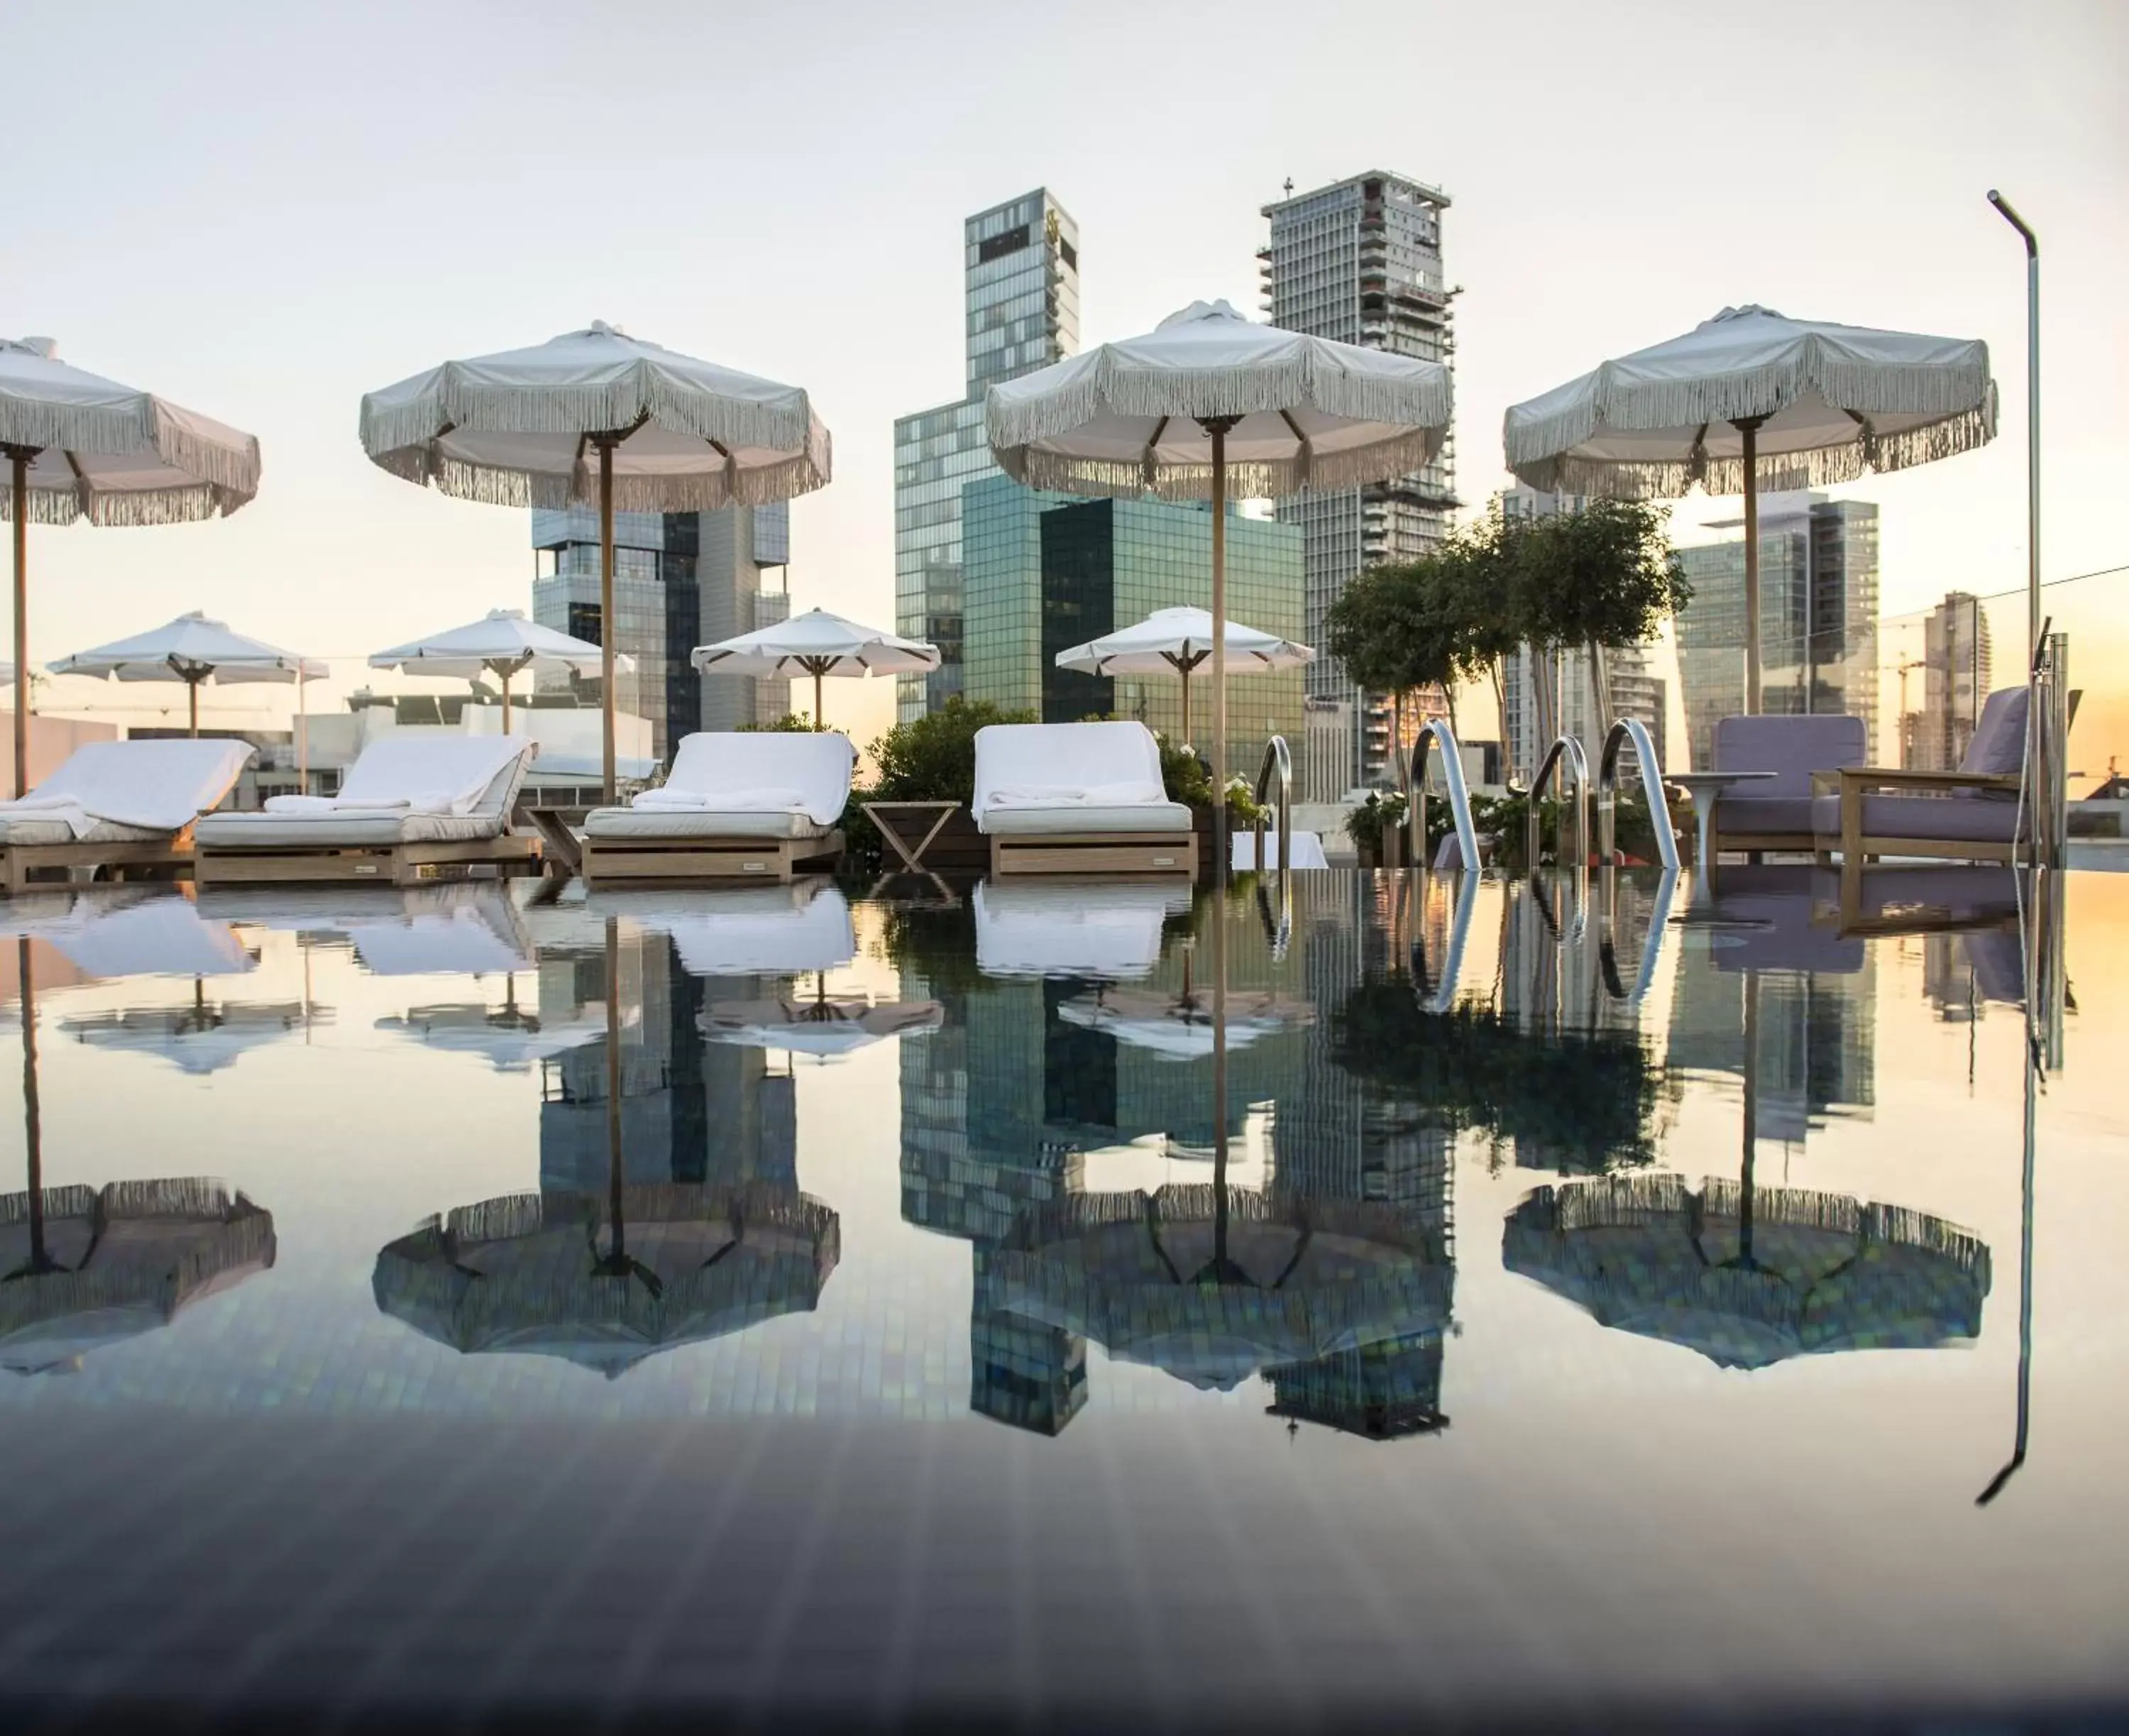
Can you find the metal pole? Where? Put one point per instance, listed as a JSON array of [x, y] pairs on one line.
[[20, 505], [1749, 428], [606, 609], [1219, 845], [2032, 422], [303, 735]]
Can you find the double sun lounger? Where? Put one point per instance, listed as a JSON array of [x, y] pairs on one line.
[[127, 806], [738, 806], [1078, 799]]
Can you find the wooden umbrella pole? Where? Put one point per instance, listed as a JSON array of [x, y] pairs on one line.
[[19, 506], [505, 673], [32, 1115], [817, 696], [614, 1171], [1749, 426], [1218, 428], [606, 612], [191, 703]]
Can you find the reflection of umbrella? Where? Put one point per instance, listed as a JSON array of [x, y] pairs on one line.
[[816, 643], [1180, 1027], [1750, 1276], [200, 1036], [597, 416], [79, 446], [542, 1273], [503, 643], [81, 1267], [1215, 1284], [1209, 401], [1747, 392], [1173, 641], [823, 1026], [192, 649]]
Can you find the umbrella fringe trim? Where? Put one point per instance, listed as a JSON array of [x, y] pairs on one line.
[[1252, 479], [705, 491]]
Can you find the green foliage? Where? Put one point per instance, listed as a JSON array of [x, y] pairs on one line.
[[1585, 1099], [791, 723], [1378, 812], [1420, 623], [933, 758], [1606, 576]]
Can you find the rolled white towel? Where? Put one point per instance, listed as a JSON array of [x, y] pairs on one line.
[[339, 804]]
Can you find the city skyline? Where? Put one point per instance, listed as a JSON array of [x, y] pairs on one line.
[[257, 317]]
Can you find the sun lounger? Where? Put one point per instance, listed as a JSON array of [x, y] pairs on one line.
[[736, 805], [1078, 799], [410, 810], [124, 806], [1075, 929]]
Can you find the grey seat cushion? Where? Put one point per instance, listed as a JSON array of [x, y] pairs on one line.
[[20, 829], [1938, 817], [1165, 817], [1764, 815], [1791, 748], [343, 830], [641, 824]]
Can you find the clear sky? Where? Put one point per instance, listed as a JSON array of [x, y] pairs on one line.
[[262, 211]]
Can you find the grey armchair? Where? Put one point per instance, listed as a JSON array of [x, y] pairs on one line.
[[1775, 813]]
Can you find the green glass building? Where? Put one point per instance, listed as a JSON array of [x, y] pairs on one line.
[[1044, 572]]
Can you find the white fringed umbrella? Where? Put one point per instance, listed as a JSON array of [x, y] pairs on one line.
[[816, 643], [1174, 641], [502, 643], [192, 649], [79, 446], [1211, 403], [1749, 397], [599, 417]]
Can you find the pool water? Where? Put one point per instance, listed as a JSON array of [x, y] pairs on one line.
[[1350, 1300]]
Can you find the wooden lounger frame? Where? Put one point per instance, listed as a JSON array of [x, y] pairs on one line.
[[19, 862], [1097, 852], [396, 865], [705, 858]]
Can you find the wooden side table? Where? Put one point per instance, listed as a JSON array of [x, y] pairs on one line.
[[912, 857]]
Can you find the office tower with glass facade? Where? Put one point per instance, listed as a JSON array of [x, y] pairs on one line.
[[1043, 572], [1958, 663], [1360, 261], [680, 580], [1020, 312], [1818, 618]]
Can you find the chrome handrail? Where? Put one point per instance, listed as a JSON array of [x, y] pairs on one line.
[[1437, 730], [1625, 730], [1460, 934], [1276, 759], [1566, 753]]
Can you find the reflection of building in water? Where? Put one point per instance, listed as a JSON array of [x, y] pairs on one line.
[[1383, 1391], [692, 1110]]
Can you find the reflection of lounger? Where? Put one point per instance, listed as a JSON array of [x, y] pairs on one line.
[[738, 805], [1074, 927], [117, 805], [410, 810], [746, 931], [1078, 799]]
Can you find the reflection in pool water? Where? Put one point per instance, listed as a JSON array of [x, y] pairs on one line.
[[1224, 1206]]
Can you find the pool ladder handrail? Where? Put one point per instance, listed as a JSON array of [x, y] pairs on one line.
[[1278, 763], [1414, 770], [1565, 754], [1633, 730]]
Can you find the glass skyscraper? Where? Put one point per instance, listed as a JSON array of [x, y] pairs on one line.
[[1043, 572], [1818, 619], [1360, 262], [680, 580], [1020, 312]]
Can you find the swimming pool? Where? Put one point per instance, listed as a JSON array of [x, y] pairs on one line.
[[792, 1304]]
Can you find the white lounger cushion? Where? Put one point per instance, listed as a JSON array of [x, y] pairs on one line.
[[421, 774], [1057, 779], [18, 829], [1068, 822], [159, 787], [815, 767], [699, 822]]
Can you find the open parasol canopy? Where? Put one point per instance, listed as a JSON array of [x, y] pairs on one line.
[[81, 446], [598, 418], [1210, 404], [816, 643], [502, 643], [1752, 397], [1174, 641], [193, 650]]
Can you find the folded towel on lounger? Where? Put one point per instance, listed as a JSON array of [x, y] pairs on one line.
[[669, 801]]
